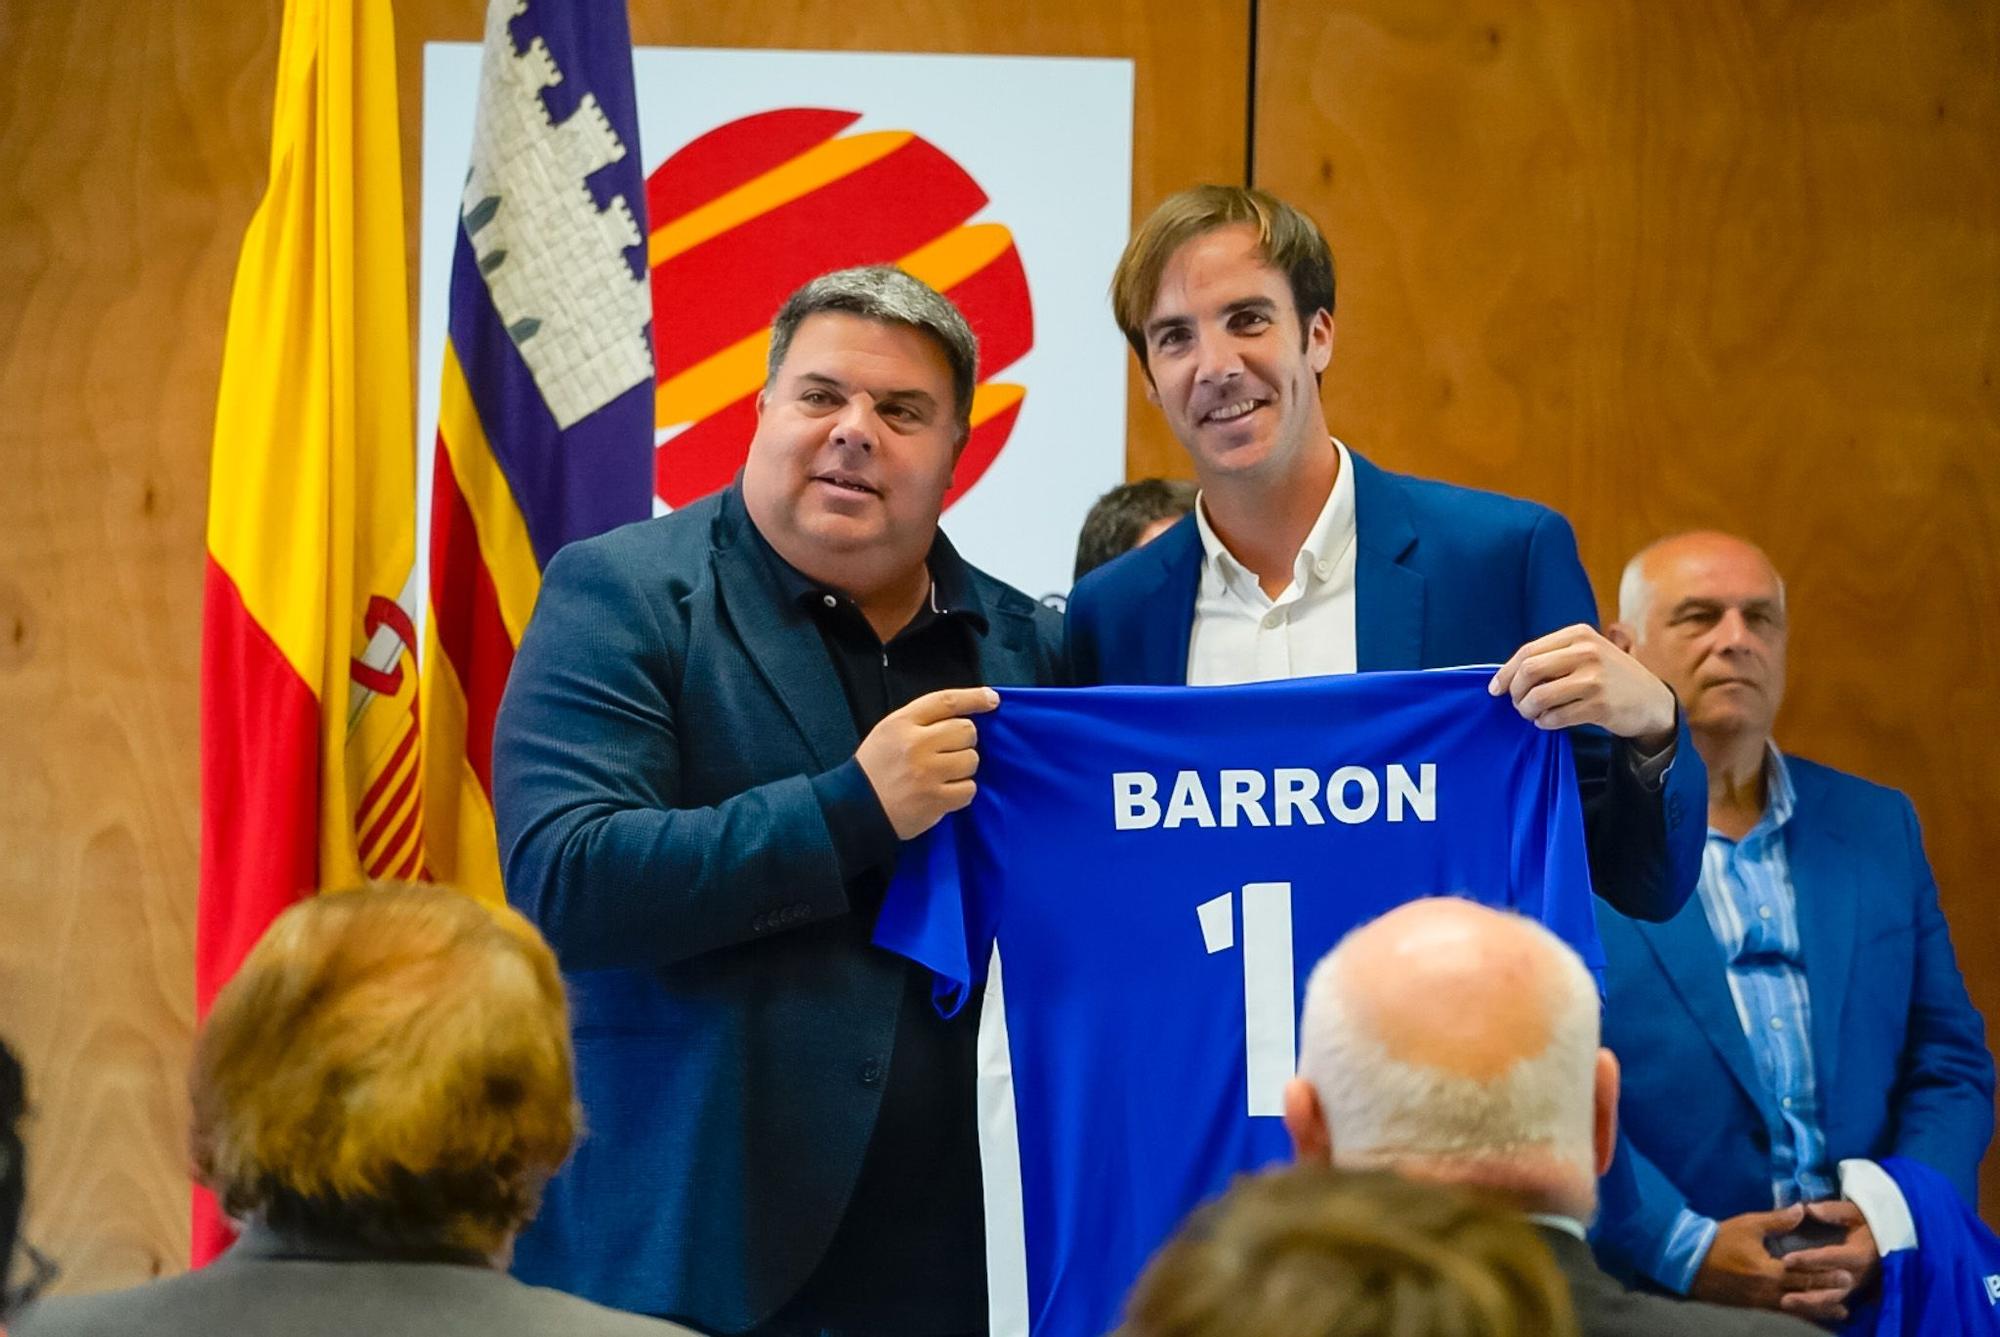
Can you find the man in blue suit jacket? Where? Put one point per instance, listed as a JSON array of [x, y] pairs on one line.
[[718, 728], [1804, 1015], [1303, 558]]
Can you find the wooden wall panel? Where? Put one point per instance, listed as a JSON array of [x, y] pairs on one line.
[[133, 138], [1667, 266], [132, 142]]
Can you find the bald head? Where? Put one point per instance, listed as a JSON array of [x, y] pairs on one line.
[[1702, 550], [1458, 1042], [1453, 986], [1705, 612]]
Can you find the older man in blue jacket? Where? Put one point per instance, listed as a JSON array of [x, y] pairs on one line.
[[719, 726], [1803, 1017]]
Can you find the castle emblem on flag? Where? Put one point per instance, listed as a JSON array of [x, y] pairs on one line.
[[553, 261]]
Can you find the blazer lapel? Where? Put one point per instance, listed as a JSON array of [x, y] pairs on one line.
[[1823, 895], [1161, 652], [1686, 949], [1388, 594], [780, 640]]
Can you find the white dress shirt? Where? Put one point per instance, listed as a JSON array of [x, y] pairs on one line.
[[1242, 634]]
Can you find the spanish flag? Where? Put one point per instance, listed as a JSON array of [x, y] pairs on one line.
[[310, 774], [545, 412]]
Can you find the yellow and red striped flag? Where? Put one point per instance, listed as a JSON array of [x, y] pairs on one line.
[[545, 416], [310, 769]]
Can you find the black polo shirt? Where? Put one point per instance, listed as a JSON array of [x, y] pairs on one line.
[[908, 1258]]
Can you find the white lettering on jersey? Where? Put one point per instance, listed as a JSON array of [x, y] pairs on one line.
[[1134, 800], [1237, 797]]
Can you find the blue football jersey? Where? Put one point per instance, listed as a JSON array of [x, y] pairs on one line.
[[1140, 889], [1949, 1281]]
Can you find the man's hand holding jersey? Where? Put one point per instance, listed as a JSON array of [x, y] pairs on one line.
[[1577, 676], [920, 759]]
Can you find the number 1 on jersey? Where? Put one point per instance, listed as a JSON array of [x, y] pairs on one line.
[[1270, 1035]]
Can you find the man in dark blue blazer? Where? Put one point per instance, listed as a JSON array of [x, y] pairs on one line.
[[1302, 557], [718, 728], [1804, 1015]]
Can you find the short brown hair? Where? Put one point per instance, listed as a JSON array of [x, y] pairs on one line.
[[1316, 1252], [1290, 241], [390, 1067]]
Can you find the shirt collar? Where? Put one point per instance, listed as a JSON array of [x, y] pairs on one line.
[[1779, 798], [1568, 1225], [1327, 542], [952, 589]]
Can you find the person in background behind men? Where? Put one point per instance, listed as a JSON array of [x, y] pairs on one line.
[[1316, 1252], [1303, 558], [1804, 1015], [1130, 516], [1451, 1042], [23, 1271], [720, 725], [379, 1094]]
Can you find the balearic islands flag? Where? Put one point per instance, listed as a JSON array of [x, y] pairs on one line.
[[545, 417], [309, 767]]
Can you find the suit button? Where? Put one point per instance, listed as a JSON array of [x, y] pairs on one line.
[[871, 1072]]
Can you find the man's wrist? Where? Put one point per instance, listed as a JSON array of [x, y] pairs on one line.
[[1684, 1250], [863, 836], [1881, 1204], [1649, 756]]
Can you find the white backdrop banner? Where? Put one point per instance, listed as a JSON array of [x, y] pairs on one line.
[[1004, 181]]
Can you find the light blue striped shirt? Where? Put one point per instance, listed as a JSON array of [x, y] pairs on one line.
[[1746, 891]]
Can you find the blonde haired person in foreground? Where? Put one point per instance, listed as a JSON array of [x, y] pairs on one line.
[[1457, 1044], [1316, 1252], [379, 1095]]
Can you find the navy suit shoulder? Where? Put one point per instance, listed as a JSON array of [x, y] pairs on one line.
[[1128, 621], [670, 549], [1045, 623], [1831, 797]]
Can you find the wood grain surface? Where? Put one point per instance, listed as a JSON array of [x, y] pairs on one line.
[[1657, 265], [1692, 265], [133, 138], [133, 141]]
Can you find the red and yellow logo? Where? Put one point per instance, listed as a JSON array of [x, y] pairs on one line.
[[752, 209]]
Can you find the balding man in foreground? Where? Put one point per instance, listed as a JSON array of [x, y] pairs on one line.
[[1450, 1042], [1803, 1016]]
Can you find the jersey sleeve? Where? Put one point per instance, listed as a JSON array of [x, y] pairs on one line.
[[1551, 873], [930, 915]]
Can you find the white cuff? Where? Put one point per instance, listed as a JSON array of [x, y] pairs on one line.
[[1869, 1187]]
